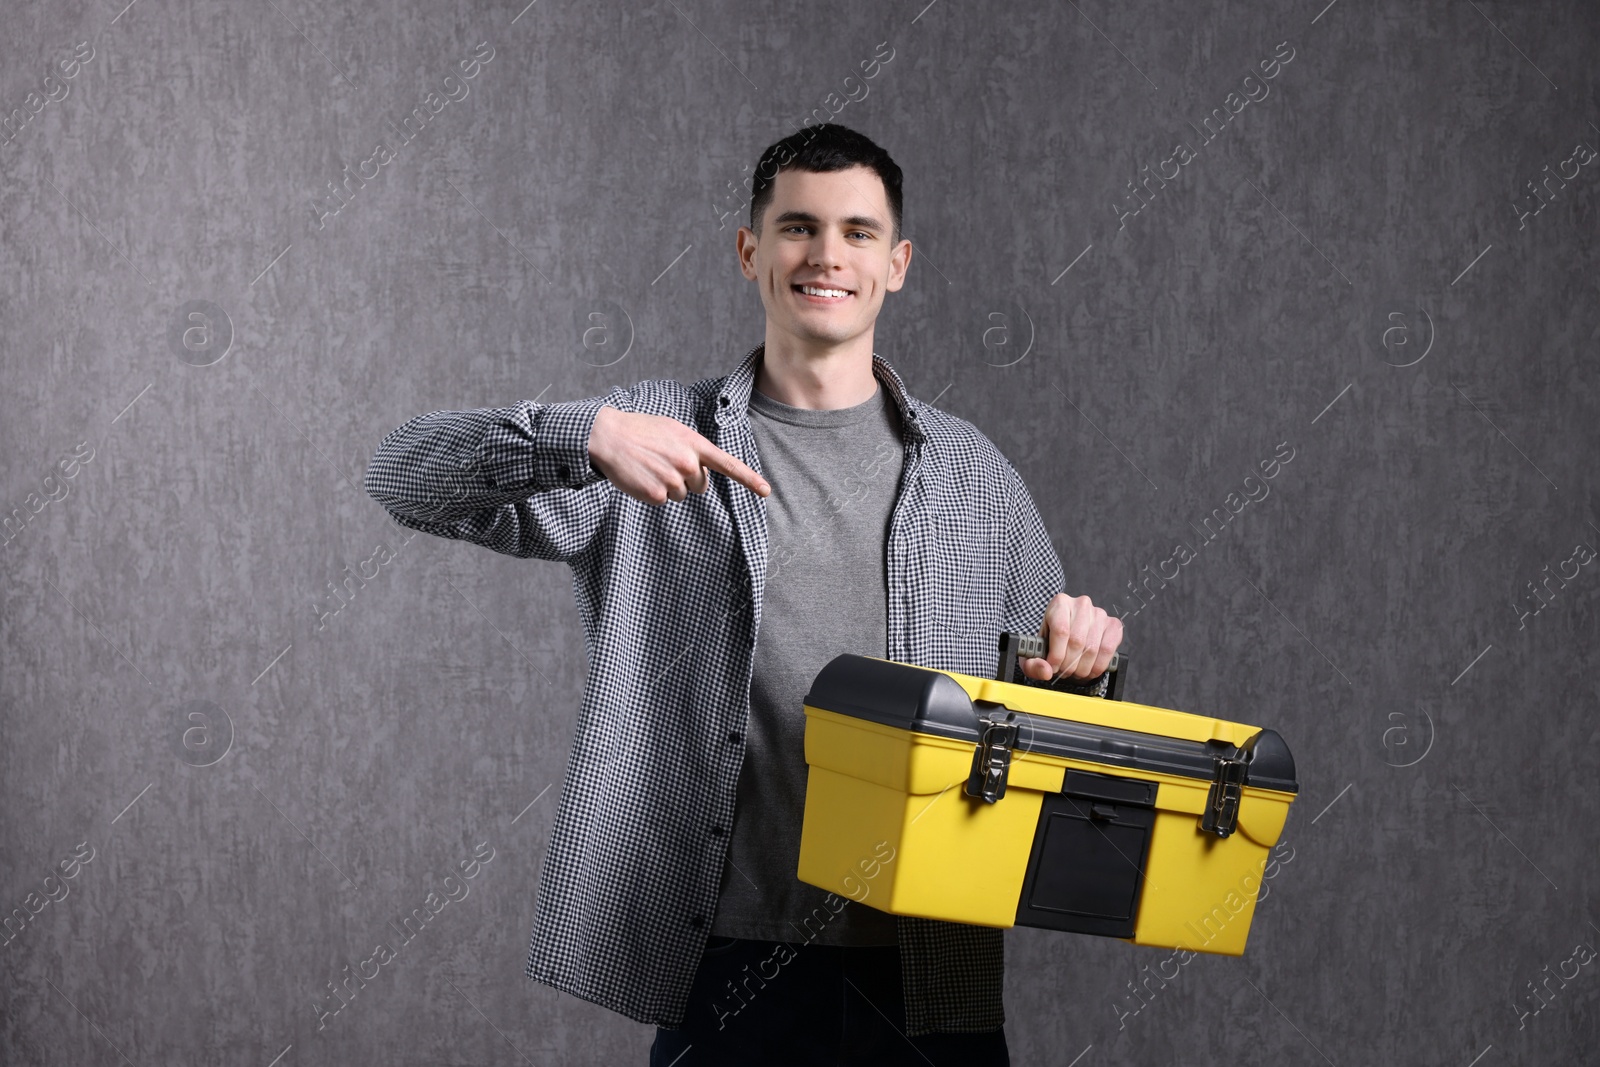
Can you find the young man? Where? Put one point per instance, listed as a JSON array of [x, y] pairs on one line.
[[850, 517]]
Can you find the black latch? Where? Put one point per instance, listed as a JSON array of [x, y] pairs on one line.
[[991, 760], [1221, 816]]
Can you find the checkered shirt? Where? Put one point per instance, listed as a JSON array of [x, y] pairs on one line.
[[670, 599]]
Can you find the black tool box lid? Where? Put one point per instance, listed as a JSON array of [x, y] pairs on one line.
[[931, 702]]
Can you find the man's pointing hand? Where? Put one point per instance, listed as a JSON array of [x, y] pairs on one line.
[[654, 458]]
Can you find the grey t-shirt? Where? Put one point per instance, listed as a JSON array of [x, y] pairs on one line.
[[835, 475]]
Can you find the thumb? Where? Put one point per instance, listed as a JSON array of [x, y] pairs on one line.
[[1037, 669]]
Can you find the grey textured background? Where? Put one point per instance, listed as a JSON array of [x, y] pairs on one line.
[[1443, 845]]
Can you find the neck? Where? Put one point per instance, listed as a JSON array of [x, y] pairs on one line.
[[821, 378]]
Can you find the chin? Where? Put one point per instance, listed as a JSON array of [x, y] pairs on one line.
[[832, 336]]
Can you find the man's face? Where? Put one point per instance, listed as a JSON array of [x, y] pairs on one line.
[[828, 231]]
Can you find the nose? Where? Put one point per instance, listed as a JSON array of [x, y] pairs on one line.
[[826, 250]]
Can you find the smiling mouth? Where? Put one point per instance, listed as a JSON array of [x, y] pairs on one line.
[[813, 298]]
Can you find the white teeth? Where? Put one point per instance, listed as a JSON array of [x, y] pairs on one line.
[[811, 290]]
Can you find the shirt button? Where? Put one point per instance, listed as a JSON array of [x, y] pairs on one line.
[[563, 472], [697, 921], [733, 737], [716, 831]]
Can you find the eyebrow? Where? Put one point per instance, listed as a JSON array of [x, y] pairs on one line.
[[865, 222]]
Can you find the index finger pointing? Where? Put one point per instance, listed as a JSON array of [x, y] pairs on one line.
[[716, 459]]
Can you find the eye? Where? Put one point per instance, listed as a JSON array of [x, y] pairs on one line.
[[802, 226]]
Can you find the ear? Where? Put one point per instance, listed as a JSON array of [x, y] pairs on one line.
[[899, 263], [745, 244]]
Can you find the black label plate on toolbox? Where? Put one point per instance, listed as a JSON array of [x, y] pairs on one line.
[[1086, 869]]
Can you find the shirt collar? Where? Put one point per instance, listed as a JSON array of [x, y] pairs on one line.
[[735, 393]]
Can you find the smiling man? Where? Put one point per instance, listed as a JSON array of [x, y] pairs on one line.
[[850, 517]]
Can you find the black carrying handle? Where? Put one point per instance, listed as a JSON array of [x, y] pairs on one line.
[[1014, 646]]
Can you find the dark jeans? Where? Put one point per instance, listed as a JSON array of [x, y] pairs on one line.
[[822, 1005]]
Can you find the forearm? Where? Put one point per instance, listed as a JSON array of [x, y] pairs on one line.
[[448, 465]]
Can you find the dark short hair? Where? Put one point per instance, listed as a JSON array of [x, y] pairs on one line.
[[823, 148]]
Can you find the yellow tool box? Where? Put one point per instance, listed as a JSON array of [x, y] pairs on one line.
[[1010, 802]]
